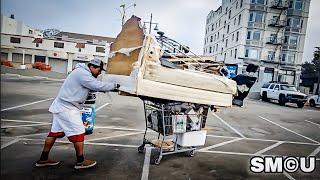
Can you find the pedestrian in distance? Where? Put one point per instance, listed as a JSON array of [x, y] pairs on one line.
[[66, 111]]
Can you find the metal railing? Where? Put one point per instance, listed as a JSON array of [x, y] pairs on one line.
[[276, 23], [279, 4], [274, 41]]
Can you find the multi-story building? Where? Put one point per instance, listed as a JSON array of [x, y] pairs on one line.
[[268, 33], [25, 45]]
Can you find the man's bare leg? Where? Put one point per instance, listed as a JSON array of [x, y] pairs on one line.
[[44, 161], [81, 162]]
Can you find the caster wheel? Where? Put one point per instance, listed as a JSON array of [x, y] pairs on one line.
[[190, 153], [157, 161], [141, 149]]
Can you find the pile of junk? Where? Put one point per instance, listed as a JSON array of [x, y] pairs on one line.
[[172, 80]]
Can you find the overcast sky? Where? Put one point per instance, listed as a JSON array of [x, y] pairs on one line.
[[182, 20]]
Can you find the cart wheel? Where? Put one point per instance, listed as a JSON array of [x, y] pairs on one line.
[[157, 161], [141, 149], [190, 153]]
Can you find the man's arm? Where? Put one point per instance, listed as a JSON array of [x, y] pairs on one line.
[[93, 84]]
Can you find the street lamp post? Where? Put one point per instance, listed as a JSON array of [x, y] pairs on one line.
[[123, 13], [150, 24]]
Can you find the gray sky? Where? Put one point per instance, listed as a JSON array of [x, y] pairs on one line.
[[182, 20]]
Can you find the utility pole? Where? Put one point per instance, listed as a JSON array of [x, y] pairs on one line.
[[123, 12], [317, 60], [150, 24]]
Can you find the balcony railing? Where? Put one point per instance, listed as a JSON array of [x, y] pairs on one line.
[[274, 41], [256, 25], [275, 23], [254, 43], [279, 4], [258, 7]]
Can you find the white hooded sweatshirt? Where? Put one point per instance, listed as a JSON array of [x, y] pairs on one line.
[[75, 89]]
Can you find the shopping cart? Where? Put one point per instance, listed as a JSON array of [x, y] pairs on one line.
[[179, 127]]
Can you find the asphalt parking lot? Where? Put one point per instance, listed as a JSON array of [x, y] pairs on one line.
[[234, 136]]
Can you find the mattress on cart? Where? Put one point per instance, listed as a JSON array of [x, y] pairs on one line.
[[134, 63]]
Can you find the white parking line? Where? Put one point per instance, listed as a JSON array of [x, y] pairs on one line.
[[23, 105], [146, 164], [220, 144], [25, 125], [315, 152], [288, 176], [23, 121], [106, 104], [312, 123], [269, 148], [224, 122], [117, 128], [28, 135], [10, 143], [289, 130], [109, 137]]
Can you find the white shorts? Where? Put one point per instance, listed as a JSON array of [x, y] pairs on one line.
[[69, 122]]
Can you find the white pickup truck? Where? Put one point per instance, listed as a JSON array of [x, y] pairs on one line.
[[314, 100], [283, 93]]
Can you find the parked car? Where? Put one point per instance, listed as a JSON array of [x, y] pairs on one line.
[[314, 100], [283, 93]]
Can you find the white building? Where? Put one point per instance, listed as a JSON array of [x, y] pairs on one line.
[[268, 33], [22, 44]]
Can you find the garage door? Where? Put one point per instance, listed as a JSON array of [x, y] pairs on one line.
[[74, 62], [58, 65]]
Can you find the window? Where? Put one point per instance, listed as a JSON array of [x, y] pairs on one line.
[[290, 4], [210, 49], [100, 49], [219, 22], [253, 35], [211, 38], [252, 53], [288, 57], [277, 87], [241, 2], [212, 27], [286, 76], [231, 53], [234, 21], [228, 28], [256, 17], [237, 38], [249, 35], [272, 86], [218, 36], [239, 19], [266, 85], [232, 37], [30, 31], [226, 42], [215, 37], [298, 5], [237, 5], [271, 55], [235, 53], [293, 40], [37, 44], [217, 47], [229, 14], [224, 25], [15, 40], [257, 1], [58, 45], [224, 57]]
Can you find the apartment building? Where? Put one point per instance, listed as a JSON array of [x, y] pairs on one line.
[[268, 33], [22, 44]]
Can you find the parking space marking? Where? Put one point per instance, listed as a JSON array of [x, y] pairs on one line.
[[269, 148], [289, 130], [28, 135], [109, 137], [106, 104], [312, 123], [28, 104], [23, 121], [146, 164], [117, 128], [315, 152], [220, 144], [26, 125], [85, 142], [224, 122], [288, 176], [10, 143]]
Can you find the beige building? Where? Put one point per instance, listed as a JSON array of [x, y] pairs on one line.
[[269, 33]]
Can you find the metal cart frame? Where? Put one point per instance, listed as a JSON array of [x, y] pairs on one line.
[[150, 105]]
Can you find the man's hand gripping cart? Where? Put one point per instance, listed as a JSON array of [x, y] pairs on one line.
[[179, 126]]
